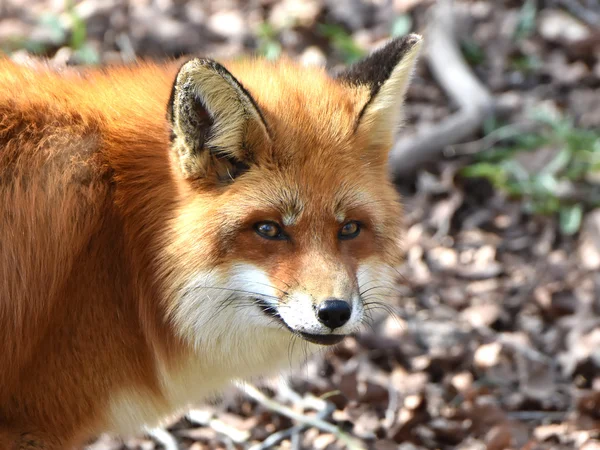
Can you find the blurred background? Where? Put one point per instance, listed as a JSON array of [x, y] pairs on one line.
[[494, 341]]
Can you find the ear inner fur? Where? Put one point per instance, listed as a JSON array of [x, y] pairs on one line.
[[215, 121]]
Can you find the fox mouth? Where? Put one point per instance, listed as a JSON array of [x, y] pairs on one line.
[[321, 339]]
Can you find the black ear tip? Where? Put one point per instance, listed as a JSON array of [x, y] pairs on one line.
[[409, 39], [375, 68], [398, 47], [412, 39]]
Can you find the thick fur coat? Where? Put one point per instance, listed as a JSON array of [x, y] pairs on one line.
[[166, 229]]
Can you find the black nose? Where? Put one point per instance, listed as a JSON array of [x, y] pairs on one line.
[[334, 313]]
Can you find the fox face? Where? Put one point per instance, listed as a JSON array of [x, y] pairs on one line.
[[288, 224]]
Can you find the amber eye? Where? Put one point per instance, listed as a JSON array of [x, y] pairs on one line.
[[269, 230], [349, 230]]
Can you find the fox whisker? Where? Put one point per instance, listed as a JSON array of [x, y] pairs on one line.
[[220, 288]]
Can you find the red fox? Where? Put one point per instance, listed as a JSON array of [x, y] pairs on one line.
[[167, 229]]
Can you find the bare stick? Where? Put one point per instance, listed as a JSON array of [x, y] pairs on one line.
[[208, 419], [537, 415], [351, 443], [458, 81], [277, 437], [589, 16], [163, 437], [494, 137], [323, 407]]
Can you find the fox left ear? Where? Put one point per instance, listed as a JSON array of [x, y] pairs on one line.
[[216, 124], [386, 74]]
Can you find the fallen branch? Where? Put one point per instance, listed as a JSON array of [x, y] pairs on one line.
[[255, 394], [208, 419], [589, 16], [163, 437], [324, 409], [456, 78], [494, 137], [537, 415], [277, 437]]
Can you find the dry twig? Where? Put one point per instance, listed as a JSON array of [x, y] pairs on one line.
[[313, 421], [163, 437], [589, 15], [208, 419]]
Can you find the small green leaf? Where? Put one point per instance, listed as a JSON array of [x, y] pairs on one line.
[[492, 172], [570, 218], [53, 24], [268, 43], [558, 163], [526, 20], [271, 50], [401, 26], [266, 30], [472, 51], [526, 63], [342, 42], [78, 26], [490, 124], [515, 170], [545, 184], [37, 48], [78, 33], [87, 55]]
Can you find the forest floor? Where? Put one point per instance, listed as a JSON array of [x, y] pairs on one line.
[[496, 339]]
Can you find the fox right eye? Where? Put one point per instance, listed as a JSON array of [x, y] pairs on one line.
[[269, 230]]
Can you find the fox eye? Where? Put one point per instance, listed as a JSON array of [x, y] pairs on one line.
[[269, 230], [349, 230]]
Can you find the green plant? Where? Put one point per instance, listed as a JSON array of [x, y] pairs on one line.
[[268, 42], [83, 51], [472, 51], [342, 42], [401, 25], [64, 30], [526, 20], [526, 63], [566, 185]]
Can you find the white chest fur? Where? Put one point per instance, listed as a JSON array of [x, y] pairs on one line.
[[201, 375], [230, 338]]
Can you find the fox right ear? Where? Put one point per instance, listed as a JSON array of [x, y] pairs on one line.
[[215, 122], [385, 75]]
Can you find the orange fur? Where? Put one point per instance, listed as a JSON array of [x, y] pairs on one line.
[[99, 231]]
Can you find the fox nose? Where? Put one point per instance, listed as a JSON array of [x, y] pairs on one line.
[[333, 313]]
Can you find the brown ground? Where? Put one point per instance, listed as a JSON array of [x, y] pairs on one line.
[[497, 340]]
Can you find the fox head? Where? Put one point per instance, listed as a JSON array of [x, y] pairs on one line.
[[288, 224]]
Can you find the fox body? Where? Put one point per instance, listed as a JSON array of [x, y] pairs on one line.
[[166, 229]]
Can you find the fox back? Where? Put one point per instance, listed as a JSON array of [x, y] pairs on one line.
[[166, 229]]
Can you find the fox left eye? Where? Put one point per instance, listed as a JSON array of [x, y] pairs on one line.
[[349, 230], [269, 230]]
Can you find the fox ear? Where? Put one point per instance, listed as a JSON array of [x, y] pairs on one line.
[[215, 122], [386, 74]]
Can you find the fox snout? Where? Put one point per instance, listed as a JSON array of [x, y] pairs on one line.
[[315, 314], [334, 313], [326, 322]]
